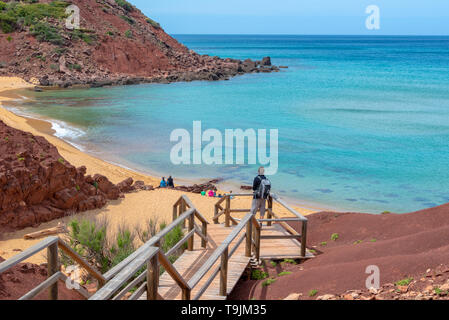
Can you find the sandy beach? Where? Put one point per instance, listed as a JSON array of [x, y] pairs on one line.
[[133, 210]]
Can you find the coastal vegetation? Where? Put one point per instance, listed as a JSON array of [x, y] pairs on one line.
[[125, 5], [90, 239], [335, 236], [15, 15]]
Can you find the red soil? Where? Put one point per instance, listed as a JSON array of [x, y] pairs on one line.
[[400, 245], [24, 277]]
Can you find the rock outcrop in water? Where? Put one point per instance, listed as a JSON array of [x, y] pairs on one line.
[[37, 185], [116, 44]]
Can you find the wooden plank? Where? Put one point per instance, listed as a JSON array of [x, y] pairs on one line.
[[152, 278], [224, 272], [173, 272], [124, 275], [41, 287], [52, 269], [219, 251], [5, 265], [45, 233], [286, 206]]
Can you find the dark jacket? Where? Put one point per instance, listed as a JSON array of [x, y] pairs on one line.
[[256, 184], [170, 183]]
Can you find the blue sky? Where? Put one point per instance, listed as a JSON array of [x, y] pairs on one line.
[[398, 17]]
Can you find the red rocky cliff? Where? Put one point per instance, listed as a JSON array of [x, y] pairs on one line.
[[116, 44], [37, 185]]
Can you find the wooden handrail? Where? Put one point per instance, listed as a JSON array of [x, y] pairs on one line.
[[54, 275], [219, 252], [119, 274], [286, 206], [271, 217], [5, 265], [150, 243], [78, 259], [124, 275]]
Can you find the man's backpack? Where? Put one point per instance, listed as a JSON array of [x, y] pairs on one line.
[[264, 189]]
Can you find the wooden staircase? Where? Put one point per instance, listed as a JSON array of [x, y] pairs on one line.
[[215, 259]]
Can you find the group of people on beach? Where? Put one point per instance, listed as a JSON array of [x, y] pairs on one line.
[[169, 183], [261, 189]]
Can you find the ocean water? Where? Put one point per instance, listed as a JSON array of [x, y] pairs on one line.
[[363, 121]]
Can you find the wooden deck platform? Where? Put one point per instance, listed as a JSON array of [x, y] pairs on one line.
[[191, 261]]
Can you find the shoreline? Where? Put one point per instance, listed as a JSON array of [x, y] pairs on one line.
[[133, 210], [44, 127]]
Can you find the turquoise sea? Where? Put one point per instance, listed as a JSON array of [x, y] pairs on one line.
[[363, 121]]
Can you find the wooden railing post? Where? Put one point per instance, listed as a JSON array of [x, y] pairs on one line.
[[191, 227], [175, 212], [152, 278], [182, 209], [270, 210], [224, 273], [228, 211], [204, 232], [257, 240], [304, 239], [216, 214], [52, 268], [186, 294], [249, 238]]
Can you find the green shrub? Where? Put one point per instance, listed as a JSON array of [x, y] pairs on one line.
[[88, 239], [404, 282], [129, 34], [335, 236], [45, 32], [268, 282], [75, 66], [7, 23], [172, 238], [153, 23], [125, 5], [258, 274], [284, 273], [313, 293], [290, 261], [123, 247], [83, 35], [128, 19], [15, 14]]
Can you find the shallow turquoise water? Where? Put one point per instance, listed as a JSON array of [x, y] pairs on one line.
[[363, 122]]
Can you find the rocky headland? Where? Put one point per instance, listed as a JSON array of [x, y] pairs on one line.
[[116, 44]]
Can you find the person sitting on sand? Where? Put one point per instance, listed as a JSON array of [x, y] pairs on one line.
[[261, 188], [170, 182], [211, 193], [163, 183]]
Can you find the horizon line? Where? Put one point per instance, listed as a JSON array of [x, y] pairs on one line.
[[317, 34]]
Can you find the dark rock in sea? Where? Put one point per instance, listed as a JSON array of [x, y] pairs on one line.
[[198, 188], [266, 61]]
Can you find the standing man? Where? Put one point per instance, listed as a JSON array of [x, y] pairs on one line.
[[261, 188]]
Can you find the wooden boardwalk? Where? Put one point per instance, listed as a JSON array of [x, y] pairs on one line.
[[191, 261]]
